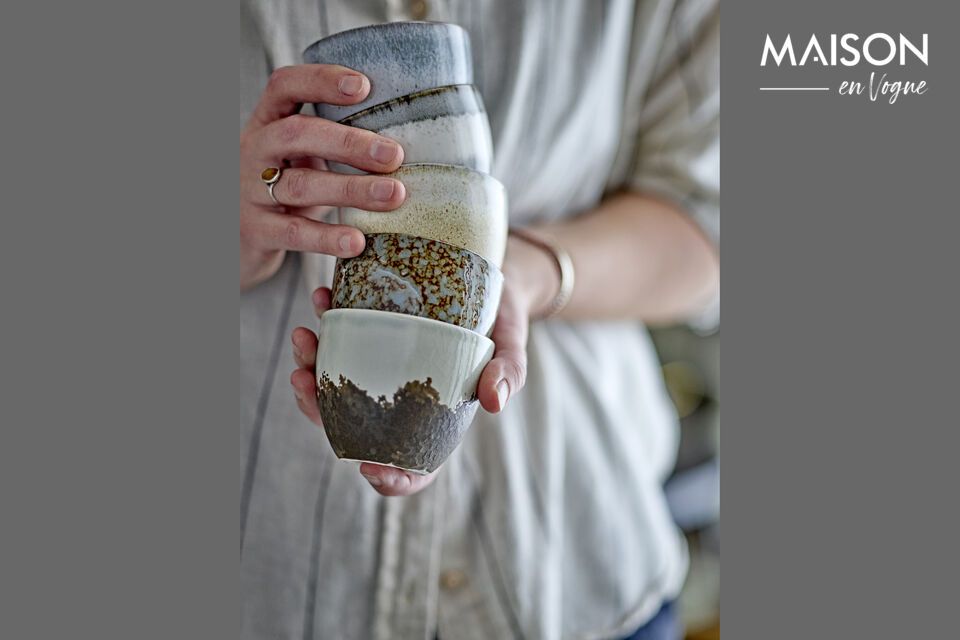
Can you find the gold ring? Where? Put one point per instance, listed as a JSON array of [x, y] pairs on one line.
[[271, 176]]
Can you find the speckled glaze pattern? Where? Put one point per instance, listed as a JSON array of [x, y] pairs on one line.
[[399, 58], [457, 206], [447, 125], [420, 277], [397, 389]]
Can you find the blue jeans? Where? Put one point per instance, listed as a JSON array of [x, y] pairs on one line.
[[663, 626]]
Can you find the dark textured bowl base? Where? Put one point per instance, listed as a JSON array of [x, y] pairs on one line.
[[414, 432]]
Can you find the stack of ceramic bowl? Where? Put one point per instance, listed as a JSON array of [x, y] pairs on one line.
[[402, 349]]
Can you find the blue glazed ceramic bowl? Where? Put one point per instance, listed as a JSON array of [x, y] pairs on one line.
[[446, 125], [399, 58]]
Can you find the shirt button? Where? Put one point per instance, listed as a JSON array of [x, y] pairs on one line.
[[453, 579], [419, 9]]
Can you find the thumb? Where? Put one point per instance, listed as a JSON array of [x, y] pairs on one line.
[[506, 373]]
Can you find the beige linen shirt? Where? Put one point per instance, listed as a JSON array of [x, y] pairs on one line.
[[549, 521]]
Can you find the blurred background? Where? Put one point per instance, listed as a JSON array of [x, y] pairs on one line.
[[691, 368]]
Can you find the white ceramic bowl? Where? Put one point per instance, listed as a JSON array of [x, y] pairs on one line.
[[446, 125], [399, 58], [396, 389], [460, 207]]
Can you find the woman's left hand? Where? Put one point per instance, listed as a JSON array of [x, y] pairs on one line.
[[529, 279]]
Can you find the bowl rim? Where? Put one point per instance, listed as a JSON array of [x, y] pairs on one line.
[[444, 168], [448, 88], [402, 318], [383, 26]]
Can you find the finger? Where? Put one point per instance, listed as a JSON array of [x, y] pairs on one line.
[[304, 136], [320, 213], [269, 231], [304, 348], [309, 188], [321, 300], [309, 162], [289, 87], [389, 481], [305, 389], [506, 373]]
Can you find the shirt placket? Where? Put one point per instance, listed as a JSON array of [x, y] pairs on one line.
[[406, 598], [463, 607]]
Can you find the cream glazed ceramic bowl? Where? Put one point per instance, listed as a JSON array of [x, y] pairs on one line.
[[399, 58], [446, 125], [395, 389], [449, 204]]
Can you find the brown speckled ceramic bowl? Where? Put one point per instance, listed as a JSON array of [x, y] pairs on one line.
[[420, 277]]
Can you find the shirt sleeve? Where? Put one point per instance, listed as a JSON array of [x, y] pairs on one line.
[[678, 147], [678, 141]]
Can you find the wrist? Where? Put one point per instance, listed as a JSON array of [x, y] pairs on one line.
[[532, 273]]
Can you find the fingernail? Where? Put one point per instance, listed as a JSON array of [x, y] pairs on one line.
[[383, 151], [345, 242], [350, 85], [374, 480], [503, 393], [382, 190], [297, 353]]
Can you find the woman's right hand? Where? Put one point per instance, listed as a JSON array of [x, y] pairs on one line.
[[277, 136]]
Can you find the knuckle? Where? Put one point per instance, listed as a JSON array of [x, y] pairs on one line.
[[351, 190], [279, 78], [324, 71], [291, 129], [293, 232], [349, 140], [296, 186], [515, 370]]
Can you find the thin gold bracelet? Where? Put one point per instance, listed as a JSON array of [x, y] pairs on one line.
[[564, 265]]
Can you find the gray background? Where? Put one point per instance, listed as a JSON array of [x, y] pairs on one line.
[[840, 343], [119, 448]]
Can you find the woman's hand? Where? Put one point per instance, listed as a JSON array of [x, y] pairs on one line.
[[277, 136], [530, 281]]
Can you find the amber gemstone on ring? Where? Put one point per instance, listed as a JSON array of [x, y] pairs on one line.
[[270, 174]]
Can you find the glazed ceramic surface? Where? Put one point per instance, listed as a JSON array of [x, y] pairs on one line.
[[457, 206], [399, 58], [397, 389], [420, 277], [447, 125]]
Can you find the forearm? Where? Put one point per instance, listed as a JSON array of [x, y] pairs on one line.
[[636, 258]]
